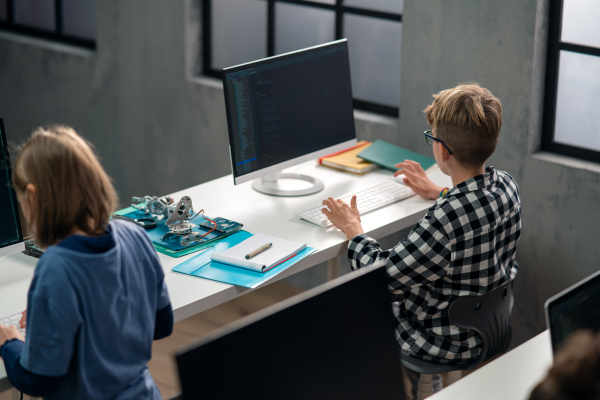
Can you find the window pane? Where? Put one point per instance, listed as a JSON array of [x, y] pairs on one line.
[[374, 47], [79, 18], [3, 10], [297, 27], [239, 32], [580, 22], [577, 118], [391, 6], [35, 13], [320, 1]]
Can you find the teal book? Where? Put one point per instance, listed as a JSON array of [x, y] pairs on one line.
[[387, 155]]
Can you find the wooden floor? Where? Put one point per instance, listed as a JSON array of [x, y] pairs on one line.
[[162, 366]]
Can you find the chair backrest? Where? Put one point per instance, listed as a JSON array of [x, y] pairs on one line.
[[489, 315]]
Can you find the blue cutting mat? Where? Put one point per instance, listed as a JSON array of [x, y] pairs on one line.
[[202, 266], [172, 245]]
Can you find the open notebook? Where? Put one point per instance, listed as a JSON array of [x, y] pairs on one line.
[[273, 251]]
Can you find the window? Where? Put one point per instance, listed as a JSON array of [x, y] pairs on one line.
[[572, 100], [238, 31], [67, 21]]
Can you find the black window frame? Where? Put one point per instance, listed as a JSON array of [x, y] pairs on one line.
[[555, 46], [57, 35], [338, 8]]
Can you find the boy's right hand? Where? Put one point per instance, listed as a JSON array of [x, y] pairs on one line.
[[416, 179]]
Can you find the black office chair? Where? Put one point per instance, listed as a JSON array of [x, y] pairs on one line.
[[489, 315]]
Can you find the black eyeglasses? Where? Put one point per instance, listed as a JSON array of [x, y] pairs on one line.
[[429, 138]]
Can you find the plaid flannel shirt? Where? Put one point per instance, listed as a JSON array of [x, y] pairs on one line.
[[464, 245]]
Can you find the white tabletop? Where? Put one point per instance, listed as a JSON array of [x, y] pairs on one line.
[[259, 213], [274, 216], [16, 272], [511, 376]]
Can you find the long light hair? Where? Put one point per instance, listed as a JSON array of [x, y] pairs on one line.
[[72, 188]]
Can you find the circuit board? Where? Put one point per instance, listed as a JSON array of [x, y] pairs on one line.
[[224, 225]]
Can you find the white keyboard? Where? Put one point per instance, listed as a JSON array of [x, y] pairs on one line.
[[13, 319], [368, 199]]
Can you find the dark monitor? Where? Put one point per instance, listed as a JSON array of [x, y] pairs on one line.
[[11, 235], [287, 109], [335, 341], [577, 307]]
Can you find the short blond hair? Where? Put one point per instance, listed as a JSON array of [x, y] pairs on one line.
[[468, 119], [72, 188]]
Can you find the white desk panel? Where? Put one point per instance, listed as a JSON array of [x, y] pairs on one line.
[[511, 376]]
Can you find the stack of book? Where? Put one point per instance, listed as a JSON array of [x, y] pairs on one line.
[[387, 155], [347, 160]]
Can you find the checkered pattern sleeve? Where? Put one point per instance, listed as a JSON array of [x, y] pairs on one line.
[[421, 258]]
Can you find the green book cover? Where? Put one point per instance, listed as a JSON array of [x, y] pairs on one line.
[[388, 155]]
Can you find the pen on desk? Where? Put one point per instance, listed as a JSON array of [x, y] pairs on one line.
[[259, 250]]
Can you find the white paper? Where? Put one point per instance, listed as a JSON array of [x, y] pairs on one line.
[[280, 250]]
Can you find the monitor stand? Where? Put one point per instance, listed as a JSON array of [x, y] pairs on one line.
[[288, 184]]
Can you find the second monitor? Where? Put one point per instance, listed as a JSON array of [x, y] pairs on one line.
[[288, 109], [11, 235]]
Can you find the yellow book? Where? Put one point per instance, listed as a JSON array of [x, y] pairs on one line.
[[346, 160]]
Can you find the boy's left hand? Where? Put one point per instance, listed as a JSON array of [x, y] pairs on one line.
[[8, 333], [345, 217], [416, 179]]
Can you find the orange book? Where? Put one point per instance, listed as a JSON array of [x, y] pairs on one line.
[[347, 160]]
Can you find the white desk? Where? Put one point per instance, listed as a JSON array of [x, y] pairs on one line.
[[259, 213], [511, 376], [16, 272], [275, 216]]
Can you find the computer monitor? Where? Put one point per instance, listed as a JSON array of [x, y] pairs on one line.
[[335, 341], [577, 307], [285, 110], [11, 235]]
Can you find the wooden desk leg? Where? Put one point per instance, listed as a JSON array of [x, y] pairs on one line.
[[333, 268], [451, 377], [425, 388]]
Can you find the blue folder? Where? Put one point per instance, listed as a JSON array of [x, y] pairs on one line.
[[202, 266]]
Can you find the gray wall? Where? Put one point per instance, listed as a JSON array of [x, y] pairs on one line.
[[502, 45], [159, 128]]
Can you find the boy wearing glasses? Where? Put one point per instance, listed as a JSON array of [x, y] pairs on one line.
[[466, 242]]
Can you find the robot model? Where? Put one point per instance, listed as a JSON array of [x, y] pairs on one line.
[[178, 217]]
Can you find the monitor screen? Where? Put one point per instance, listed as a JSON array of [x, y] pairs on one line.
[[11, 235], [577, 307], [335, 341], [287, 109]]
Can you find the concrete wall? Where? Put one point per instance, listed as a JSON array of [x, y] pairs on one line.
[[159, 128], [155, 129], [502, 45]]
